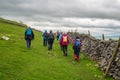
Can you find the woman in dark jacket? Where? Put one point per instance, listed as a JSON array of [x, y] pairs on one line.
[[50, 40]]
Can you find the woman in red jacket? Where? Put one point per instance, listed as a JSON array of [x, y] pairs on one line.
[[64, 42]]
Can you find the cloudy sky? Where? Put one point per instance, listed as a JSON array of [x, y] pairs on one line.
[[98, 16]]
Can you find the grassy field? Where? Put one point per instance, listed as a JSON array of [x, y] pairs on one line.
[[19, 63]]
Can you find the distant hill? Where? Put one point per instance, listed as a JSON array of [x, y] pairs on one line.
[[12, 22]]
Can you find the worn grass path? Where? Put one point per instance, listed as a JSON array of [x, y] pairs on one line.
[[19, 63]]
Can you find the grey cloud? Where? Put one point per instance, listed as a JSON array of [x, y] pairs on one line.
[[62, 8], [54, 12]]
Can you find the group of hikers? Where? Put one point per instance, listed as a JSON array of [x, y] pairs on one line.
[[48, 40]]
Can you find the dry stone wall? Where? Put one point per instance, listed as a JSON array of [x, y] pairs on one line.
[[100, 51]]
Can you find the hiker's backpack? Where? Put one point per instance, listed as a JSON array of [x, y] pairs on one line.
[[46, 35], [65, 38], [51, 36], [77, 44], [28, 32]]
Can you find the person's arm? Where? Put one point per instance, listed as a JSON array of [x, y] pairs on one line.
[[32, 35], [25, 31], [59, 37], [53, 37], [25, 34], [61, 40]]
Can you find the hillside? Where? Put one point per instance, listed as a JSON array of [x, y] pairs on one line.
[[12, 22], [19, 63]]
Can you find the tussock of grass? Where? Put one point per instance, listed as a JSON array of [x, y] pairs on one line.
[[19, 63]]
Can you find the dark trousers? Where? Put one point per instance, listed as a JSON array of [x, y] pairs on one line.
[[50, 44], [61, 47], [76, 54], [28, 42], [65, 49], [44, 42], [77, 51]]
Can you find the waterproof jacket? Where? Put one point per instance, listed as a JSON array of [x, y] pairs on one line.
[[45, 35]]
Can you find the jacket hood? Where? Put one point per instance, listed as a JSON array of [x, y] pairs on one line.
[[78, 39]]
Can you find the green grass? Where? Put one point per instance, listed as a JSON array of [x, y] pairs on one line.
[[19, 63]]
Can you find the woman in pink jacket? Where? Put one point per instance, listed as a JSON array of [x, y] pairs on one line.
[[64, 42]]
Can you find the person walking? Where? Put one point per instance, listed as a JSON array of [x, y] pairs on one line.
[[45, 38], [59, 39], [50, 40], [57, 35], [76, 47], [29, 35], [64, 42]]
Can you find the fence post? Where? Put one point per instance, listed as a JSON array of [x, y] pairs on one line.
[[113, 57], [88, 32], [103, 37]]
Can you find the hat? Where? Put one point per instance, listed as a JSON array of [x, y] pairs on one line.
[[77, 37]]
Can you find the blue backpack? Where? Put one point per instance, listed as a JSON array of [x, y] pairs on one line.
[[29, 32], [77, 44]]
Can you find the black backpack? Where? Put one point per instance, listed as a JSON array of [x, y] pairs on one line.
[[51, 36]]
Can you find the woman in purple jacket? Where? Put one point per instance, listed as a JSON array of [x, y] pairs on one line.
[[76, 47]]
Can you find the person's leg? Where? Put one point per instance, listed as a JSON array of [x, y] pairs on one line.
[[51, 44], [28, 43], [78, 53], [48, 46], [75, 56], [45, 42], [66, 50], [63, 49]]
